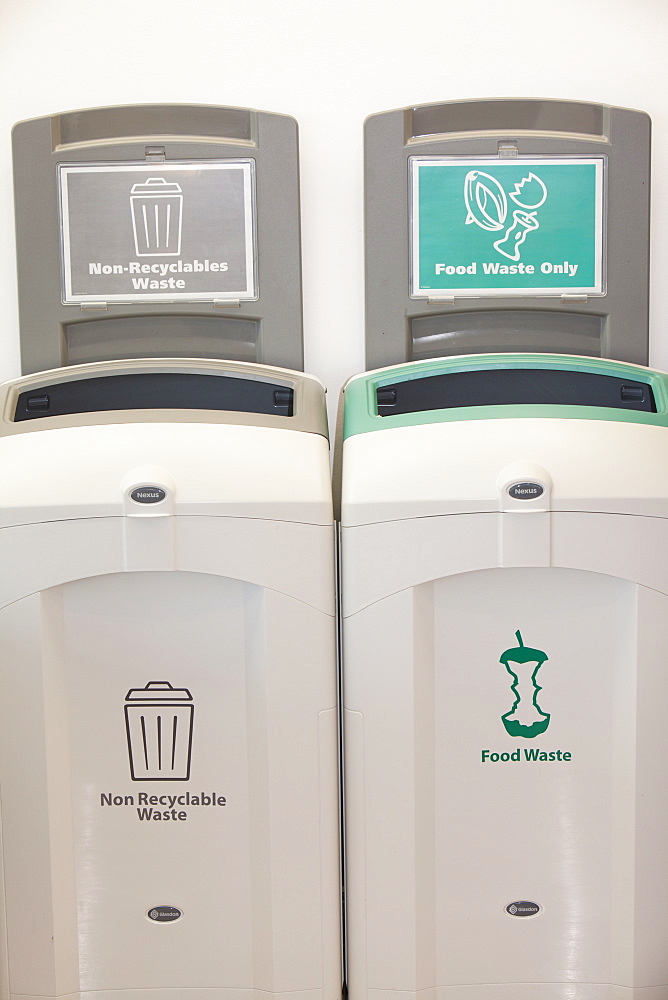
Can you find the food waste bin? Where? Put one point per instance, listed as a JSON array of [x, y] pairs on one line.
[[505, 600], [168, 734]]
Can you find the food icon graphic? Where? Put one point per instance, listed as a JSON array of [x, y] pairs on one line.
[[526, 718], [485, 201], [487, 207]]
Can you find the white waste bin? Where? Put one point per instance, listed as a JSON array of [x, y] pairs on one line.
[[505, 598], [168, 724]]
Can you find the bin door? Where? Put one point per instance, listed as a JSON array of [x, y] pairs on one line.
[[506, 804], [168, 764]]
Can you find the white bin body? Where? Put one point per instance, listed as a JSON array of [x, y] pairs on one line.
[[219, 603], [450, 819]]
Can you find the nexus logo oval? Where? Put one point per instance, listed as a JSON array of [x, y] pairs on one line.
[[525, 491], [148, 494]]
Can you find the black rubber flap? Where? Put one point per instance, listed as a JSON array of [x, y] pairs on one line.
[[512, 387], [155, 391]]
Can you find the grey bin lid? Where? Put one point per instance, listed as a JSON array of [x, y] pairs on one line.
[[86, 395], [414, 313], [249, 311]]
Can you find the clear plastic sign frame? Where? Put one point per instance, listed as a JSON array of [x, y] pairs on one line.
[[521, 227], [133, 233]]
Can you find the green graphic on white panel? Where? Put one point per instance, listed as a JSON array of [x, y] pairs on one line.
[[526, 717], [528, 226]]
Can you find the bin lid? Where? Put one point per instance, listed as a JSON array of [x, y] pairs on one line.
[[215, 438], [483, 387], [163, 390], [464, 435]]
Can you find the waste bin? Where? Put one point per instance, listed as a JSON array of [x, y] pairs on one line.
[[505, 599], [168, 725]]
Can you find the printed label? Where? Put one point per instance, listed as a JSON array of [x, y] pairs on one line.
[[148, 494], [523, 908], [525, 491], [526, 719], [170, 231], [159, 730], [521, 227], [163, 808], [164, 914]]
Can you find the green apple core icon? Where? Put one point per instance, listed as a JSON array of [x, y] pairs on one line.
[[526, 717]]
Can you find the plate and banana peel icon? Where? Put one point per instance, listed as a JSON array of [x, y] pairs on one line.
[[487, 207]]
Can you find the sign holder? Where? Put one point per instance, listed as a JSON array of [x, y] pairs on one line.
[[158, 231], [512, 225]]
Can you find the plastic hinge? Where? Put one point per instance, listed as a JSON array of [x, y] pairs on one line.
[[441, 300], [507, 150]]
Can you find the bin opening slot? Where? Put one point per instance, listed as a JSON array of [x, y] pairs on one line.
[[155, 391], [513, 386]]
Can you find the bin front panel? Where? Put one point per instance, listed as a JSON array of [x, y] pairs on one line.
[[197, 851], [505, 742]]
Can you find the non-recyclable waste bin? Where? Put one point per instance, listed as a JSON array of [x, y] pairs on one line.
[[168, 725], [505, 598]]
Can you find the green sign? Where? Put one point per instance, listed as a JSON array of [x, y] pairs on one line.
[[515, 227]]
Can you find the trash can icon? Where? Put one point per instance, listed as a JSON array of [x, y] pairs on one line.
[[157, 207], [159, 725]]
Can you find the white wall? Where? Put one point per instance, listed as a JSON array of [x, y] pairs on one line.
[[330, 64]]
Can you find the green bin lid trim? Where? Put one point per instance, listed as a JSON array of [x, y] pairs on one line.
[[361, 409]]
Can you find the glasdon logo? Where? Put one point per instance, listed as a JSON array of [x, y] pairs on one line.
[[164, 914], [522, 908], [148, 494], [525, 491]]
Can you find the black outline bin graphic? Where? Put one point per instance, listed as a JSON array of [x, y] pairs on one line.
[[159, 726]]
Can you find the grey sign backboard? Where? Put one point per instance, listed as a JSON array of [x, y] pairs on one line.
[[507, 225], [162, 230]]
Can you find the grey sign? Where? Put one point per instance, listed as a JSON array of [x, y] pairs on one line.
[[161, 231]]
